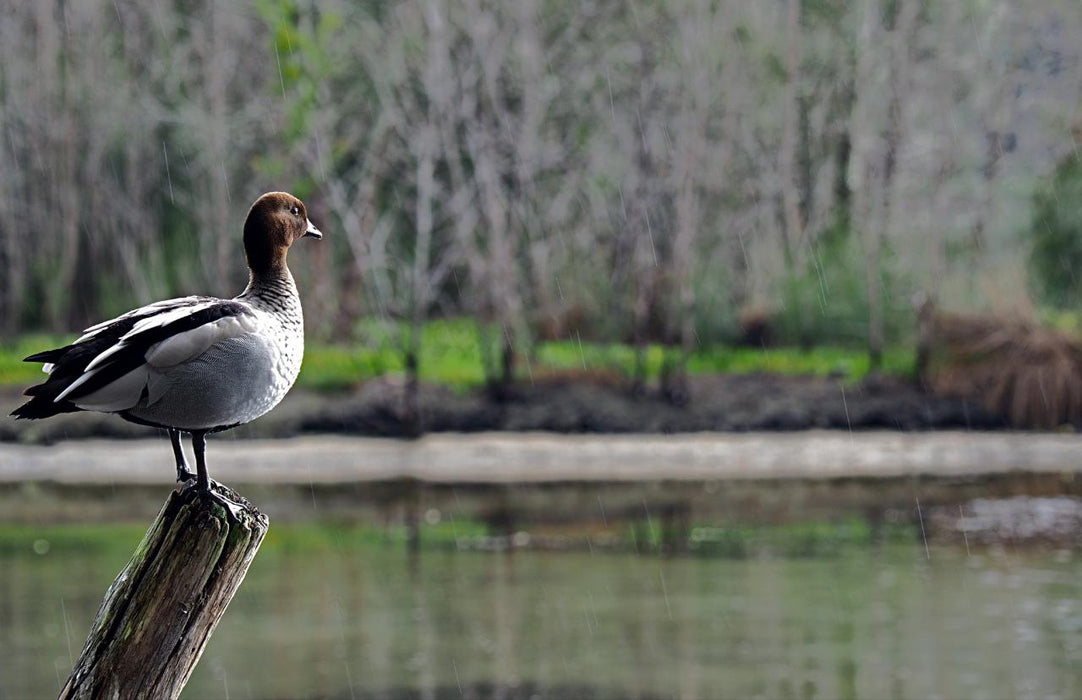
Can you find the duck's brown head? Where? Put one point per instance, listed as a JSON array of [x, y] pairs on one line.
[[275, 221]]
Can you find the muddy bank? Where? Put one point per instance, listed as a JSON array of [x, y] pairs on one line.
[[719, 403]]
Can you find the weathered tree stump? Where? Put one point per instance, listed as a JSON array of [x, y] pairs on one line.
[[160, 611]]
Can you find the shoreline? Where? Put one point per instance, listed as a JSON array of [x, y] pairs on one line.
[[537, 458], [958, 487]]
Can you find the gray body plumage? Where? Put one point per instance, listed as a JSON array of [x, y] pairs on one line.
[[196, 363], [236, 379]]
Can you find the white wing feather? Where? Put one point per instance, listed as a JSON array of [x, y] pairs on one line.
[[141, 311], [191, 344], [124, 392], [155, 321], [166, 317], [83, 379], [118, 395]]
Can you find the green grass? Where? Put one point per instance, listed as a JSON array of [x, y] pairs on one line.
[[451, 355], [13, 370], [823, 361]]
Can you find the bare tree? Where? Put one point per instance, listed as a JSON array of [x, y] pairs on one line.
[[790, 191], [632, 172], [883, 51]]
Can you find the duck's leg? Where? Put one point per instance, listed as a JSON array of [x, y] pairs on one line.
[[199, 444], [183, 473]]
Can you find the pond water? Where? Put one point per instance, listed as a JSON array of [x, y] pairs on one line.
[[345, 614]]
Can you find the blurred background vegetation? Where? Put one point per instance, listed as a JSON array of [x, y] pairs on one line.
[[607, 191], [644, 184]]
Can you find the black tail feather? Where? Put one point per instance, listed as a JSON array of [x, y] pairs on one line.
[[69, 363], [43, 403], [43, 407], [39, 390], [54, 355]]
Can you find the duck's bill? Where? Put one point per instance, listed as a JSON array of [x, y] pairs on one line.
[[312, 231]]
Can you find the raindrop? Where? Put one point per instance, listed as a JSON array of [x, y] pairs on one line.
[[649, 521], [962, 522], [665, 592], [321, 162], [168, 175], [848, 421], [612, 102], [225, 181], [457, 679], [650, 231], [923, 535], [281, 80], [67, 632], [349, 680]]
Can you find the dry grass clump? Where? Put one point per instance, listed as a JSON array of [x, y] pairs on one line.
[[1029, 374]]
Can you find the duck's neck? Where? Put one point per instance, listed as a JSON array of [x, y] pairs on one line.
[[274, 289]]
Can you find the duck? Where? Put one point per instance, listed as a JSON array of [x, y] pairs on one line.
[[194, 364]]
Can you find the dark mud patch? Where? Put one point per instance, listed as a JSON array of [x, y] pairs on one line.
[[755, 402]]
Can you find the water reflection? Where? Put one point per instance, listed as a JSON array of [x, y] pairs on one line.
[[347, 616]]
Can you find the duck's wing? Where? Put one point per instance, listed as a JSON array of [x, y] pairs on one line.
[[107, 368]]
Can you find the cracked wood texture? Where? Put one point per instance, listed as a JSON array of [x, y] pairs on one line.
[[160, 611]]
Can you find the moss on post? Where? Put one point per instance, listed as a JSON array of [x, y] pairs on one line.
[[159, 613]]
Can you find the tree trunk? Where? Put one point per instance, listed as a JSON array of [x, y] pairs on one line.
[[159, 613], [411, 398], [867, 185], [507, 364], [420, 280], [790, 189], [925, 338]]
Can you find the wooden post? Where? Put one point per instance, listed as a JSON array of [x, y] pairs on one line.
[[160, 611]]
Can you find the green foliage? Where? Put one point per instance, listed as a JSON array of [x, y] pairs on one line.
[[1056, 236], [450, 355], [826, 301], [575, 354], [1066, 320], [304, 59], [822, 361]]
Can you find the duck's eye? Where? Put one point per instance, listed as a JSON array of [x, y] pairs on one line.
[[294, 210]]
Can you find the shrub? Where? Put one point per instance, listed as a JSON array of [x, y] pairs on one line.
[[1056, 237]]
